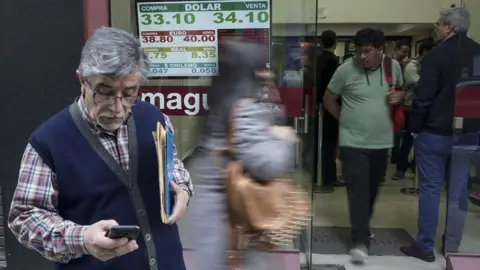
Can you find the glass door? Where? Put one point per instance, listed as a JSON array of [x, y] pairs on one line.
[[180, 72], [460, 241]]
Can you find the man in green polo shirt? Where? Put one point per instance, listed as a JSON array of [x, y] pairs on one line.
[[366, 129]]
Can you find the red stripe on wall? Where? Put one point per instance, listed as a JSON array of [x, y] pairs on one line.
[[95, 15]]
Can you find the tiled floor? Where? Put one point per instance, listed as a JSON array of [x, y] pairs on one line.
[[393, 210]]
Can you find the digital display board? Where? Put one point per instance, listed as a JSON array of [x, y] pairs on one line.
[[181, 38]]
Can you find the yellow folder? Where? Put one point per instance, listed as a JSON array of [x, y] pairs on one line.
[[160, 138]]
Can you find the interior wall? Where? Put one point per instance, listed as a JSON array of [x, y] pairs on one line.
[[349, 29], [39, 52], [364, 11], [473, 7]]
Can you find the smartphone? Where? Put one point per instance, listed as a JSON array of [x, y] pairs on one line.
[[129, 232]]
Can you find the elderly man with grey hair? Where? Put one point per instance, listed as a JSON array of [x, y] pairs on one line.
[[431, 125], [93, 165]]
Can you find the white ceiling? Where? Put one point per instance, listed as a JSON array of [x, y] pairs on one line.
[[349, 29]]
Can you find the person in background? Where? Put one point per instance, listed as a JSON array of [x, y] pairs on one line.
[[475, 180], [411, 75], [402, 51], [431, 124], [366, 129], [347, 56], [327, 63], [93, 165], [266, 150]]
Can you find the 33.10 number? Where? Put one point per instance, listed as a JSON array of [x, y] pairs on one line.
[[159, 18]]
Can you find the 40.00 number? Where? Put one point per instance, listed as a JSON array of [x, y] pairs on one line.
[[204, 38]]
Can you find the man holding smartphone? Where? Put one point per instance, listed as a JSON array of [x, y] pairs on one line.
[[93, 166]]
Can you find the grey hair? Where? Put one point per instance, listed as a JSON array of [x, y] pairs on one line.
[[113, 52], [457, 18]]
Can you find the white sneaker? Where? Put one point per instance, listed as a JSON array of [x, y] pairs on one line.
[[359, 255]]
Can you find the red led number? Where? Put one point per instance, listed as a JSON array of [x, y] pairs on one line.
[[159, 39], [204, 38]]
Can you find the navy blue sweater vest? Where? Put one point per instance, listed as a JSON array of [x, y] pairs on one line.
[[93, 187]]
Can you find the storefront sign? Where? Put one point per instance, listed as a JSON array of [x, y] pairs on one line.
[[193, 101], [181, 38]]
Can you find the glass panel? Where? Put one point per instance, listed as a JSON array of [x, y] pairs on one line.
[[463, 196], [293, 53], [393, 218], [179, 91]]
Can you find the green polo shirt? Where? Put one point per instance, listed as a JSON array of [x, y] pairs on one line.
[[365, 120]]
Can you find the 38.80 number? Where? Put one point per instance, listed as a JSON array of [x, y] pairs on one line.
[[160, 39]]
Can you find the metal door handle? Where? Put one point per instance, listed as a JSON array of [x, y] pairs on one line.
[[305, 117]]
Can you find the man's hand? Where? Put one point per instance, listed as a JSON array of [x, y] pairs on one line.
[[395, 97], [102, 247], [181, 201]]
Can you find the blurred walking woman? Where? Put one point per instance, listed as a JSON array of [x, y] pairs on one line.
[[266, 150]]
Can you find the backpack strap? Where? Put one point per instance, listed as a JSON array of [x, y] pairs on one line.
[[387, 65]]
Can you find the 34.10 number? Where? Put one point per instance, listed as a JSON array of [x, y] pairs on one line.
[[231, 17]]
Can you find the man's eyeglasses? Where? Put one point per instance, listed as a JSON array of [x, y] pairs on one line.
[[109, 99]]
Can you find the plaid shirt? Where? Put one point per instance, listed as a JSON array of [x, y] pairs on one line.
[[34, 217]]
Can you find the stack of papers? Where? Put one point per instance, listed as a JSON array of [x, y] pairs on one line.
[[164, 139]]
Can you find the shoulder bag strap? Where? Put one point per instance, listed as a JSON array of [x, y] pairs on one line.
[[387, 65]]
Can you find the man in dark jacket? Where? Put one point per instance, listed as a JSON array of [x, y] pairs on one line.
[[327, 63], [431, 124]]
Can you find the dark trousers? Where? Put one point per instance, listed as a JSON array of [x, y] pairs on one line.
[[405, 146], [397, 138], [363, 171], [329, 146]]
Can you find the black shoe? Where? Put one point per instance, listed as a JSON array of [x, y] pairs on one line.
[[337, 184], [416, 252], [399, 175], [474, 198]]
